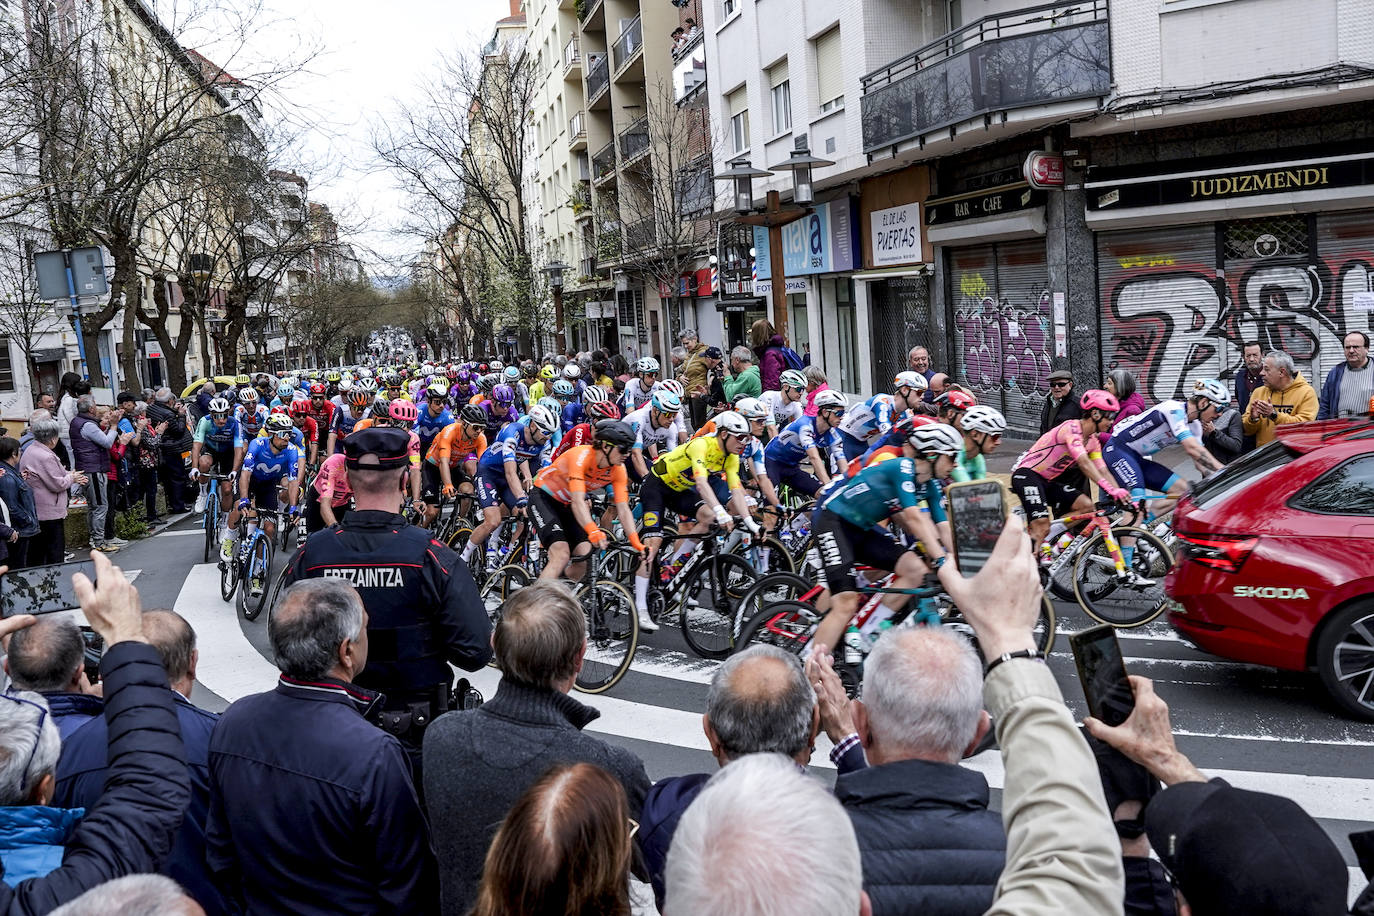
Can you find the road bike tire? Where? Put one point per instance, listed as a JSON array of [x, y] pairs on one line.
[[766, 591], [458, 538], [278, 586], [612, 635], [1046, 627], [259, 560], [499, 586], [779, 557], [229, 575], [788, 625], [709, 620], [1104, 598]]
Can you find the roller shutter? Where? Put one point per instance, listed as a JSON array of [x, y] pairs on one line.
[[1345, 247]]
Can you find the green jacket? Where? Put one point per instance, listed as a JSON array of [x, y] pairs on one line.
[[747, 382]]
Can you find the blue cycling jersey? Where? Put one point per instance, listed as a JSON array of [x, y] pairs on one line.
[[882, 490], [869, 420], [790, 445], [219, 438], [266, 463], [573, 414], [427, 426], [250, 421], [512, 444], [1156, 429]]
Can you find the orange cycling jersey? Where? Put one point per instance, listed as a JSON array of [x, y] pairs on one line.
[[453, 446], [576, 471]]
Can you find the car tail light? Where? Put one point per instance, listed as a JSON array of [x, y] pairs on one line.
[[1226, 552]]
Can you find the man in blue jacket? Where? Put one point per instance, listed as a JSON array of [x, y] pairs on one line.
[[312, 808], [53, 855], [82, 770], [1349, 385], [50, 658]]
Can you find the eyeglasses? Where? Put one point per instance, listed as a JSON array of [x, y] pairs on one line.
[[1060, 383], [38, 734]]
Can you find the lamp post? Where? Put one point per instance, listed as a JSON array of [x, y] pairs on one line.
[[774, 216], [555, 271], [217, 335]]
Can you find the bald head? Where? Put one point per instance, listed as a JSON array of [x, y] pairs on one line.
[[938, 382], [46, 657], [759, 702], [175, 641]]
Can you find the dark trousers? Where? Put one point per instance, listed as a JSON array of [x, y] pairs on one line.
[[49, 544], [147, 486], [173, 474], [19, 553]]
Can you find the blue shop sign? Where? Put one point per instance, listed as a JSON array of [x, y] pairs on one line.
[[822, 242]]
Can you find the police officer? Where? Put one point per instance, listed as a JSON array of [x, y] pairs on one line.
[[422, 605]]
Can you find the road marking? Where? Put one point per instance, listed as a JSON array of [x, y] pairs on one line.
[[230, 665], [185, 533]]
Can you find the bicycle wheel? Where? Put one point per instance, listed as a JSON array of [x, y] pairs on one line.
[[769, 555], [211, 526], [458, 538], [229, 576], [765, 592], [789, 625], [500, 585], [1108, 598], [1045, 627], [255, 588], [612, 635], [278, 586], [710, 598]]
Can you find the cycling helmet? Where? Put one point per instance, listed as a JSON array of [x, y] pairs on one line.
[[794, 379], [910, 379], [614, 432], [671, 384], [360, 399], [935, 439], [1212, 390], [463, 376], [958, 400], [830, 399], [551, 404], [594, 394], [752, 409], [1123, 382], [646, 365], [333, 376], [219, 407], [496, 366], [543, 419], [665, 401], [285, 390], [503, 395], [248, 395], [437, 391], [733, 423], [381, 406], [473, 415], [485, 383], [512, 374], [364, 372], [529, 370], [563, 389], [300, 408], [548, 373], [572, 371], [345, 386], [279, 424], [242, 379], [603, 410], [280, 409], [403, 411], [981, 419], [317, 390], [368, 386], [1097, 399]]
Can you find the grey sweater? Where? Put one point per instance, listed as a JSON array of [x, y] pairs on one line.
[[478, 762]]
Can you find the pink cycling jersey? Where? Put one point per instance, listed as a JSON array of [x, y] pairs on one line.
[[331, 482], [1060, 449]]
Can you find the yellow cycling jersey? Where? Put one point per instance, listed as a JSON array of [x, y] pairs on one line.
[[697, 459]]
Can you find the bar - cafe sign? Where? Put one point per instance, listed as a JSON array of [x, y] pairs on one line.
[[1220, 184], [979, 204]]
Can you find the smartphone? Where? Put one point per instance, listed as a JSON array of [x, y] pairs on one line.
[[1102, 672], [93, 648], [41, 589], [977, 513]]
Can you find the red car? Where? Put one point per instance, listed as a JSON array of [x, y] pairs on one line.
[[1275, 561]]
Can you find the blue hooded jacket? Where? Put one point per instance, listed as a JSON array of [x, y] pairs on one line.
[[33, 838]]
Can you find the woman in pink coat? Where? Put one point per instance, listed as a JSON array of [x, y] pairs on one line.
[[49, 481]]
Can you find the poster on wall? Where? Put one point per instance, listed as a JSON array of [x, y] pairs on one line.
[[1061, 330]]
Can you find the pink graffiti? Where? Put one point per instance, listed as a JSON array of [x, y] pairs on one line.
[[1004, 347]]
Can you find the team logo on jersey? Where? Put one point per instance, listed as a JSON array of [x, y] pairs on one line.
[[650, 519]]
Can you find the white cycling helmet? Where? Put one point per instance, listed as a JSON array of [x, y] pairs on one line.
[[983, 419], [248, 395], [345, 385], [495, 365], [647, 364], [671, 384], [594, 394], [935, 439], [367, 384], [544, 419], [733, 423], [572, 371], [364, 372], [793, 378], [1212, 390], [909, 379], [830, 399], [219, 406], [752, 409]]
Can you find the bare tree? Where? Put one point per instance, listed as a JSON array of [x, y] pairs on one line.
[[24, 318]]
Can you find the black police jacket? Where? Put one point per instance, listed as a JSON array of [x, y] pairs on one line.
[[422, 605]]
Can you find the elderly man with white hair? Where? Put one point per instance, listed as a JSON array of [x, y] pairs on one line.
[[1286, 397]]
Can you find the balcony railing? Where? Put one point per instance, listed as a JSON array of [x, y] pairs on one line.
[[588, 266], [603, 163], [571, 54], [1035, 56], [577, 126], [634, 140], [640, 235], [586, 8], [630, 41], [598, 77]]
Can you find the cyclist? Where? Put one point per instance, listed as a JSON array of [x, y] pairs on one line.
[[640, 388], [1072, 443], [581, 434], [572, 372], [755, 472], [321, 409], [683, 481], [983, 428], [656, 431], [286, 393], [463, 387], [266, 463], [217, 446], [250, 414], [576, 410], [341, 394], [308, 429], [346, 419], [558, 503], [504, 474], [951, 405], [788, 403], [328, 497], [905, 490], [500, 410], [435, 417], [458, 445], [804, 439], [540, 387], [1135, 439], [867, 423]]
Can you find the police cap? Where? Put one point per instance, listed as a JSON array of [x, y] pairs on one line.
[[387, 446]]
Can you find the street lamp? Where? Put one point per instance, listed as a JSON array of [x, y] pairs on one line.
[[555, 270], [800, 162], [743, 175], [217, 335]]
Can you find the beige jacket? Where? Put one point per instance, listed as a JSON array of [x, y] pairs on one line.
[[1063, 855]]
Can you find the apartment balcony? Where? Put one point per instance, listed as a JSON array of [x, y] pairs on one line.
[[1038, 56], [588, 11], [587, 266], [572, 59], [598, 79], [603, 165], [641, 235], [577, 131], [628, 52], [634, 141]]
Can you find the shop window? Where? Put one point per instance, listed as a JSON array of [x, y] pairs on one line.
[[841, 292]]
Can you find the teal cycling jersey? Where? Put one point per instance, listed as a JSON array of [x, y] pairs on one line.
[[881, 490], [966, 468]]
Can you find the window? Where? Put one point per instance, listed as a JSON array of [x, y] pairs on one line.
[[6, 368], [728, 8], [781, 96], [1345, 490], [737, 103], [829, 72]]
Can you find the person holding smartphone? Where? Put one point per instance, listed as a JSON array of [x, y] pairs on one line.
[[50, 482]]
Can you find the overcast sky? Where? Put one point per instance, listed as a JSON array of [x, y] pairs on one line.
[[375, 54]]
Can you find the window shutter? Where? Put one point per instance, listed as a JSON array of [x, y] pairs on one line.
[[777, 74], [829, 73], [738, 100]]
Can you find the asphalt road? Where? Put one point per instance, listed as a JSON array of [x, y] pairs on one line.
[[1257, 727]]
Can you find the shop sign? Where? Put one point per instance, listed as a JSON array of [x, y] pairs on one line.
[[736, 283], [1220, 184], [896, 234], [821, 242], [153, 349], [1044, 170], [979, 204], [794, 285]]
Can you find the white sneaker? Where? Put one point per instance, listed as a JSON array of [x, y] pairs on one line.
[[118, 542], [200, 503], [1132, 579], [646, 623]]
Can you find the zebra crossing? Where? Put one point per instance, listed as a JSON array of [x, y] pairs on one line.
[[1255, 727]]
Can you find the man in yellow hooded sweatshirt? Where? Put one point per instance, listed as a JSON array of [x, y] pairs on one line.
[[1285, 397]]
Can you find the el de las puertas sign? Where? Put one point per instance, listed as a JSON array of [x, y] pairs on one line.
[[1280, 178]]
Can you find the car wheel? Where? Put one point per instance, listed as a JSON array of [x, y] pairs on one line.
[[1345, 658]]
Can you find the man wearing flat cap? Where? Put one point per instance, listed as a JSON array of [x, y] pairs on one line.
[[422, 606], [1061, 403]]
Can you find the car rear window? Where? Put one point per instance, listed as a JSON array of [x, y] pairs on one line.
[[1242, 473], [1344, 490]]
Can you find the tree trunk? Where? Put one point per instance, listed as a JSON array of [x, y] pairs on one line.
[[128, 353], [206, 365]]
